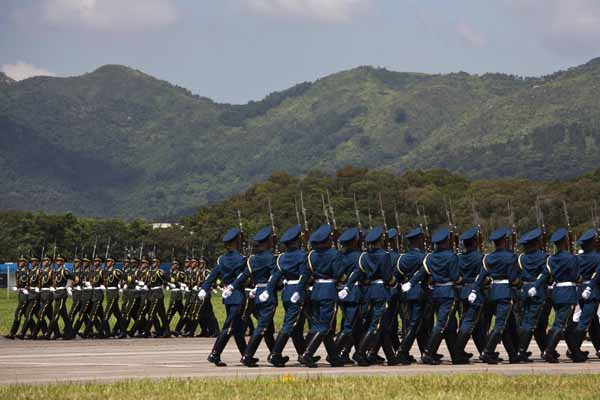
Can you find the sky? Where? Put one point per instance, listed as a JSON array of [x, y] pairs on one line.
[[240, 50]]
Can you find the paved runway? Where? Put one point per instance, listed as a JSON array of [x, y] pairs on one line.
[[110, 360]]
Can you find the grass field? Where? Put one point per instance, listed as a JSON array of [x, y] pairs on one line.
[[482, 386]]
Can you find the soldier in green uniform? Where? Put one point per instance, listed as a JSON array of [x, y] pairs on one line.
[[186, 286], [97, 310], [21, 283], [46, 297], [76, 292], [194, 304], [206, 315], [142, 292], [61, 292], [112, 280], [156, 280], [32, 315], [174, 284], [131, 299], [86, 277]]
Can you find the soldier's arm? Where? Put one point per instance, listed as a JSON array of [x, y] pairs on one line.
[[242, 279], [483, 274], [358, 273], [513, 274], [275, 276], [212, 277], [455, 275]]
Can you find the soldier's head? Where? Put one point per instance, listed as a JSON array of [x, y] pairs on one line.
[[560, 238], [125, 262], [321, 237], [77, 263], [46, 261], [35, 262], [291, 238], [23, 261], [145, 263], [531, 240], [187, 262], [441, 239], [97, 262], [499, 238], [133, 263], [194, 263], [59, 261], [349, 239], [202, 263], [392, 237], [415, 238], [263, 239], [469, 239], [588, 240], [155, 262], [110, 262], [376, 238], [232, 240], [86, 262], [174, 264]]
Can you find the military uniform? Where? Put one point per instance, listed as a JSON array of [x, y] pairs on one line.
[[76, 283], [61, 293], [176, 285], [22, 281], [32, 313], [156, 281], [142, 298], [131, 299], [113, 278], [86, 300], [46, 299]]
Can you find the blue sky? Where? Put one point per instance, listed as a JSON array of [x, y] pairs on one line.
[[240, 50]]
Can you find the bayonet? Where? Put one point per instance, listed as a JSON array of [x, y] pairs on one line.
[[331, 211], [325, 209]]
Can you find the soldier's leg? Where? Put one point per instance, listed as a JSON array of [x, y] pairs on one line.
[[29, 317], [426, 328], [541, 333], [231, 326], [19, 313], [530, 326], [562, 316], [265, 320], [575, 338], [68, 324], [162, 315], [503, 310], [442, 309], [470, 326]]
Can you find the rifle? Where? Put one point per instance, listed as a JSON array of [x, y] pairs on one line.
[[455, 240], [306, 232], [569, 232], [361, 234], [334, 232], [297, 212], [369, 211], [242, 235], [325, 209], [595, 219], [477, 222], [513, 227], [424, 227], [450, 226], [94, 250], [142, 251], [53, 255], [399, 241], [541, 224], [43, 250], [274, 233], [385, 227]]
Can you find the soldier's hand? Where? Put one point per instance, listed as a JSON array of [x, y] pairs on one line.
[[69, 291], [102, 287], [532, 292], [264, 296], [295, 297], [14, 289], [25, 291], [252, 293], [587, 293], [202, 294], [342, 294], [472, 297], [406, 287], [37, 290]]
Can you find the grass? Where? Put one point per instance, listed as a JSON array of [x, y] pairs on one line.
[[431, 387]]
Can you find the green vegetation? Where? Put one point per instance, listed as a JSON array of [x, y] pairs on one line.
[[481, 386], [119, 143]]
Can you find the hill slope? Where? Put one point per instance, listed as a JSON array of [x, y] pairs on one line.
[[117, 142]]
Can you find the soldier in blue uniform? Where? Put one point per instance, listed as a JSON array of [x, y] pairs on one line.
[[229, 267], [589, 293], [291, 268], [407, 265], [392, 329], [501, 268], [532, 263], [352, 305], [562, 270], [325, 266], [374, 267], [257, 272], [470, 323], [443, 269]]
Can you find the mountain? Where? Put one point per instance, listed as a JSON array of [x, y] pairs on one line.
[[119, 143]]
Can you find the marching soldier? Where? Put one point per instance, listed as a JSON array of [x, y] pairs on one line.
[[156, 281], [98, 288], [46, 297], [228, 267], [192, 318], [61, 293], [112, 280], [76, 305], [22, 283], [442, 267], [86, 300], [184, 323], [33, 300], [206, 315], [176, 285], [126, 296], [131, 295], [258, 270], [140, 319]]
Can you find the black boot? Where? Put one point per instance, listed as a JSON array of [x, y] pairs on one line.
[[307, 358], [461, 342], [215, 354], [574, 340], [275, 357], [407, 342], [332, 355], [511, 349], [549, 353], [343, 345], [360, 356], [523, 345], [432, 347], [456, 355], [248, 359], [388, 350], [489, 355]]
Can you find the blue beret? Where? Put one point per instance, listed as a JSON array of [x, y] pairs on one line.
[[530, 236], [348, 235], [558, 235], [440, 235], [374, 234], [291, 234], [587, 235], [231, 235], [469, 234], [499, 233], [321, 234], [392, 233], [263, 234], [414, 233]]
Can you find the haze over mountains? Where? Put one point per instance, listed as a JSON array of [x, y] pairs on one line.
[[119, 143]]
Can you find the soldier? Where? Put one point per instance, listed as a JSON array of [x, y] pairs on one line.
[[46, 297], [375, 267], [502, 268], [176, 285], [470, 322], [112, 280], [33, 300], [228, 267], [289, 267], [86, 300], [206, 315], [354, 304], [406, 267], [142, 292], [76, 305], [156, 281], [192, 319], [258, 270], [443, 269], [190, 297], [532, 263], [21, 284], [325, 266], [131, 295], [98, 288], [61, 278], [125, 296], [391, 329], [562, 269]]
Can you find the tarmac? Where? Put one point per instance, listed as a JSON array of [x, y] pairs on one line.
[[41, 362]]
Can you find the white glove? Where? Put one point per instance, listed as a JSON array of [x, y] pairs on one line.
[[406, 287], [120, 291], [168, 288], [25, 291], [172, 285], [145, 287], [252, 293], [342, 294], [264, 296], [102, 287], [285, 281], [202, 294], [69, 291], [295, 297], [195, 288], [141, 283], [227, 291], [14, 289], [52, 289], [183, 286], [78, 288], [532, 292], [37, 290], [88, 285], [587, 293], [472, 297], [125, 286]]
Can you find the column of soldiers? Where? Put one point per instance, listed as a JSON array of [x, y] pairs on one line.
[[110, 302]]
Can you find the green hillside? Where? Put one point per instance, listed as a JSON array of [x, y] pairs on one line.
[[119, 143]]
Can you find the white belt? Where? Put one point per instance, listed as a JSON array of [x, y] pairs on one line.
[[566, 284], [500, 282], [297, 281], [45, 289], [585, 282], [261, 285], [61, 288], [446, 284], [112, 288], [325, 280], [377, 281], [156, 287], [175, 290], [33, 287], [529, 282]]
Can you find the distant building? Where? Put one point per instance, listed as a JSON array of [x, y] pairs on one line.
[[163, 225]]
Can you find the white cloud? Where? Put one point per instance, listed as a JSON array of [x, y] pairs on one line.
[[22, 70], [564, 26], [320, 10], [470, 36], [109, 15]]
